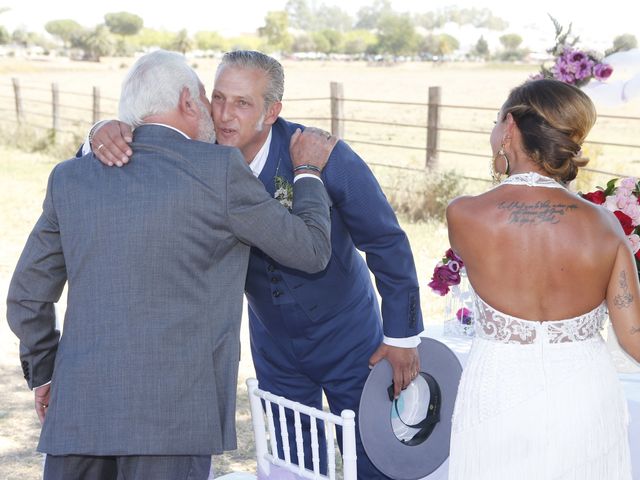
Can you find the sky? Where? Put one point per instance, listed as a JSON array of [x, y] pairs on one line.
[[597, 26]]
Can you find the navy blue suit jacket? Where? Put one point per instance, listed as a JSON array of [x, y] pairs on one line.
[[361, 219]]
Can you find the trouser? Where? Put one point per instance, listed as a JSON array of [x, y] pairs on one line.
[[133, 467], [331, 357]]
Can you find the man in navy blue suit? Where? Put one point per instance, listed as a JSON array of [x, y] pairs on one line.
[[318, 332]]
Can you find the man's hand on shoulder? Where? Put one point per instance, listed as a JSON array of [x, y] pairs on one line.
[[110, 143], [310, 150]]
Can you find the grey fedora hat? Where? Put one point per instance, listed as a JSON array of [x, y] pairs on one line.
[[408, 438]]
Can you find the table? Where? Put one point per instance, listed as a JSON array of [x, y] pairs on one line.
[[630, 383]]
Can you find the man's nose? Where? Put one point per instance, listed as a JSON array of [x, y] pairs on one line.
[[224, 113]]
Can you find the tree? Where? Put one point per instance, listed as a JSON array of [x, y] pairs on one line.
[[22, 37], [63, 29], [624, 42], [367, 18], [94, 43], [123, 23], [481, 49], [511, 41], [4, 36], [275, 30], [300, 14], [149, 38], [210, 41], [439, 45], [327, 41], [359, 41], [396, 34], [332, 18], [181, 42]]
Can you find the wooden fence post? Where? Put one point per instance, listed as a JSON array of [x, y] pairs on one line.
[[55, 104], [18, 98], [96, 105], [337, 109], [433, 122]]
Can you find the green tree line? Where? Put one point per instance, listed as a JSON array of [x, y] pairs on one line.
[[302, 26]]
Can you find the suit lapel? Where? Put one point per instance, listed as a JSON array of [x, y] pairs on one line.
[[278, 162]]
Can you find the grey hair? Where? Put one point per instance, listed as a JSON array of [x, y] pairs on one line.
[[269, 65], [153, 85]]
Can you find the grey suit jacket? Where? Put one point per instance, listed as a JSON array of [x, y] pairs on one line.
[[156, 256]]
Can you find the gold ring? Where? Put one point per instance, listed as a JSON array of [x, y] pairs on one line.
[[99, 147]]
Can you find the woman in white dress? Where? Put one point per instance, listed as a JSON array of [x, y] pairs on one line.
[[539, 397]]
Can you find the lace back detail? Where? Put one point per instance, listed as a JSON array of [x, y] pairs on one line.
[[500, 327]]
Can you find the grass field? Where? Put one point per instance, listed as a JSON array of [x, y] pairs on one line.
[[23, 182]]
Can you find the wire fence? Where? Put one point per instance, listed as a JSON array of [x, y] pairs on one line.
[[398, 136]]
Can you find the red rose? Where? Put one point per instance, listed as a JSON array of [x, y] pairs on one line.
[[625, 221], [598, 197]]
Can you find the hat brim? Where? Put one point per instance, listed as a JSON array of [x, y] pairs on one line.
[[389, 455]]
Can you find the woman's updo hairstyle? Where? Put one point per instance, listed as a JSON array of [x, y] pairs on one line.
[[554, 118]]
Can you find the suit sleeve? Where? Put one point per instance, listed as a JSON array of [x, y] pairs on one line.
[[374, 229], [301, 239], [36, 285]]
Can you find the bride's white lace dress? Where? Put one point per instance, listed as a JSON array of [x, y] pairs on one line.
[[539, 400]]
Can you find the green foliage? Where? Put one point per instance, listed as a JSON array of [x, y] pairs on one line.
[[123, 23], [510, 41], [439, 45], [210, 41], [94, 43], [396, 35], [623, 42], [246, 42], [478, 17], [368, 17], [149, 38], [182, 42], [64, 29], [275, 31], [359, 41], [481, 49], [327, 41], [4, 36], [425, 195], [313, 18]]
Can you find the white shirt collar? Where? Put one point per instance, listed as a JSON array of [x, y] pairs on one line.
[[260, 160], [169, 126]]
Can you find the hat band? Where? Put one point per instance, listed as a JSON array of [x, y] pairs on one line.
[[426, 426]]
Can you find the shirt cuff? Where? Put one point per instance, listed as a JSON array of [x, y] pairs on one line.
[[301, 175], [408, 342], [86, 146], [35, 388]]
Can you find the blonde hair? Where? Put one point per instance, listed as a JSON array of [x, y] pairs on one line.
[[554, 118]]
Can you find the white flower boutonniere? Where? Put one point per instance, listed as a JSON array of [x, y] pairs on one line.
[[283, 192]]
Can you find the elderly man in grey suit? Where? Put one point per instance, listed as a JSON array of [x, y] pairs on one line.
[[142, 382]]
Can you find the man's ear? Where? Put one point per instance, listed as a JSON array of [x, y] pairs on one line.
[[186, 104], [272, 113]]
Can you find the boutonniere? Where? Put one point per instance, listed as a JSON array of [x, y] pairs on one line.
[[283, 192]]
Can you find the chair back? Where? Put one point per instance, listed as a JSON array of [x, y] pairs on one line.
[[268, 439]]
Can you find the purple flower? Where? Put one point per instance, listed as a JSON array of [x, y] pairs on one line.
[[576, 56], [464, 316], [583, 69], [602, 71]]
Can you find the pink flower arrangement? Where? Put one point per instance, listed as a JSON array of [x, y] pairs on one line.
[[624, 201], [446, 273], [571, 65]]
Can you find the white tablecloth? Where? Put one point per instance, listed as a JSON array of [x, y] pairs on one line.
[[630, 383]]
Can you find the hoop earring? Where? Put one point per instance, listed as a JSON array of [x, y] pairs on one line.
[[495, 175]]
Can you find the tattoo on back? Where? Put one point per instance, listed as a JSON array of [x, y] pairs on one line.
[[623, 299], [535, 213]]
